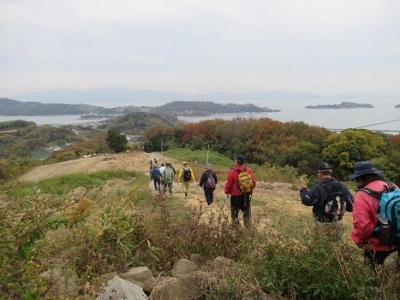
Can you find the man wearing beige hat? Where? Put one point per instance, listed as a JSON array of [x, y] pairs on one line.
[[208, 181]]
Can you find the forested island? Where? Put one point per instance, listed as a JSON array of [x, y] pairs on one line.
[[9, 107], [340, 106]]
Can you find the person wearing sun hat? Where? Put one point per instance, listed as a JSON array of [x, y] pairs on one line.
[[318, 195], [365, 213]]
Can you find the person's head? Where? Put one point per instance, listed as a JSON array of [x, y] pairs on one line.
[[240, 159], [168, 164], [208, 167], [324, 170], [365, 171], [184, 164], [162, 165]]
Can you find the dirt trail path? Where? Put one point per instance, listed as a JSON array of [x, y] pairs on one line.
[[267, 197]]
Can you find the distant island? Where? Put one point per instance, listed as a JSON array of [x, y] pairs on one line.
[[95, 116], [10, 107], [340, 106]]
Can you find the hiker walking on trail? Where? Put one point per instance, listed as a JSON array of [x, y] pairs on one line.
[[168, 178], [239, 188], [185, 176], [155, 175], [365, 213], [330, 199], [208, 181], [162, 168]]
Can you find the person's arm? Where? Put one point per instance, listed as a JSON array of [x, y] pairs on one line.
[[215, 177], [202, 180], [229, 182], [362, 222], [308, 197], [180, 176], [193, 179], [349, 200], [348, 197]]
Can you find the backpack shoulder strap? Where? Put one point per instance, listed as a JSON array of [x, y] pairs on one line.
[[329, 188], [389, 187], [371, 192]]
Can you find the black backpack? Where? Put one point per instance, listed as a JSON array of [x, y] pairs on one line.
[[187, 175], [334, 204]]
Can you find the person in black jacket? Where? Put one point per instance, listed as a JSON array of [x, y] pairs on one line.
[[208, 184], [327, 214]]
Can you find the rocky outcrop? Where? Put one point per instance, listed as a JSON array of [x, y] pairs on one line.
[[185, 280], [118, 288]]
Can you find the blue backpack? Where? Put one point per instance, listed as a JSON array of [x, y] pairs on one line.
[[388, 226]]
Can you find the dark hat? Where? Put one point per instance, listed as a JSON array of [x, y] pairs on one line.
[[324, 166], [240, 159], [364, 167]]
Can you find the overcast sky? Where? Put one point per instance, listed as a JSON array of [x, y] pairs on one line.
[[316, 46]]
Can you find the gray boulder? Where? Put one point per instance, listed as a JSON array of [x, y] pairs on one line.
[[118, 288], [183, 267], [190, 286], [142, 276]]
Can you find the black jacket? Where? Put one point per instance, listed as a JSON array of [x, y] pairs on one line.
[[317, 195], [204, 177]]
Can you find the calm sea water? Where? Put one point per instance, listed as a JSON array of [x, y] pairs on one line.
[[383, 116], [50, 120]]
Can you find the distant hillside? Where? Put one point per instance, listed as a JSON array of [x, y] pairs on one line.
[[342, 105], [10, 107], [203, 108], [138, 122]]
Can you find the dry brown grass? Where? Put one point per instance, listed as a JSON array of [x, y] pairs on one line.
[[269, 197]]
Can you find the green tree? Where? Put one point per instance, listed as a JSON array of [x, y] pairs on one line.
[[350, 146], [116, 141]]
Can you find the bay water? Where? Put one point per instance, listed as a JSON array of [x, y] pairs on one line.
[[383, 117]]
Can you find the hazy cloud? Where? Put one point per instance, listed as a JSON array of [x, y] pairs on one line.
[[324, 47]]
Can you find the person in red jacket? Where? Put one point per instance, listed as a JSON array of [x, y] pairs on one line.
[[239, 201], [365, 213]]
